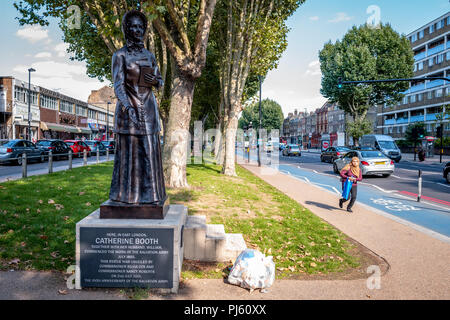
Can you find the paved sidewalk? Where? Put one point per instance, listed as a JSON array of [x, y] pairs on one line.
[[419, 264]]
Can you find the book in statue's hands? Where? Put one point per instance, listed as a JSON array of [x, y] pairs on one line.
[[143, 70]]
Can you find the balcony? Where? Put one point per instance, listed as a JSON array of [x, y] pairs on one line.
[[417, 88], [435, 83], [401, 120], [417, 118], [420, 56], [430, 117], [389, 121], [436, 49]]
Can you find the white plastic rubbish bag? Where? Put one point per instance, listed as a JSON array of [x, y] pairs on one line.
[[252, 270]]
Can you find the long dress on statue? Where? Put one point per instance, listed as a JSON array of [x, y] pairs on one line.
[[138, 174]]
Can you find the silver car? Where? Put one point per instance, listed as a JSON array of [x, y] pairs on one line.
[[372, 162]]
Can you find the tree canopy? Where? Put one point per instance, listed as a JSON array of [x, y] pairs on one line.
[[272, 115], [366, 53]]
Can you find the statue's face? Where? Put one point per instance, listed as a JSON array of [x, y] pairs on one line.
[[136, 29]]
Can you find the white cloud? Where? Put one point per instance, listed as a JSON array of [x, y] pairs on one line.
[[49, 69], [33, 33], [44, 54], [314, 18], [313, 68], [340, 16], [61, 49]]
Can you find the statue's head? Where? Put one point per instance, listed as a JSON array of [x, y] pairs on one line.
[[134, 26]]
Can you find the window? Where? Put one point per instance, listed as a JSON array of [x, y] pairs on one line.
[[81, 111], [439, 58], [102, 116], [440, 24], [430, 62], [92, 114], [420, 97], [438, 93], [412, 98], [20, 94], [420, 34], [432, 28], [49, 102], [448, 55], [414, 37], [430, 95], [66, 106], [420, 66], [405, 100]]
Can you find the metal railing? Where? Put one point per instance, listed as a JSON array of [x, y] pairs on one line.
[[24, 159]]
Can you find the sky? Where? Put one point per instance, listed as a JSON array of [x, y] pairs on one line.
[[294, 84]]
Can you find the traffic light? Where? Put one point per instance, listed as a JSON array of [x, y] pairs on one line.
[[340, 82], [421, 132]]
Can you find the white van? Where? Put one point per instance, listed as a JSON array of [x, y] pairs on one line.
[[383, 143]]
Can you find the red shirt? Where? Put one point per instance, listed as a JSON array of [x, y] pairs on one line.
[[348, 173]]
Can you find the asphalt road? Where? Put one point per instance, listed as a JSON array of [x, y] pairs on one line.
[[404, 180], [13, 171]]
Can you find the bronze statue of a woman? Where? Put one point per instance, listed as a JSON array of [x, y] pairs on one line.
[[137, 187]]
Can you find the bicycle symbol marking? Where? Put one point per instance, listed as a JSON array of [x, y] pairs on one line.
[[394, 205]]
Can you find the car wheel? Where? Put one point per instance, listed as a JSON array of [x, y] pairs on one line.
[[448, 177], [397, 160], [321, 159], [386, 175], [335, 169]]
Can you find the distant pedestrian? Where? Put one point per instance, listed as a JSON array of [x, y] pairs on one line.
[[353, 172]]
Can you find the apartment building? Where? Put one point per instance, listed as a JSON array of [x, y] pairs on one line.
[[424, 99]]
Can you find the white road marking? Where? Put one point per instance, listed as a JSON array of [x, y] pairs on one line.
[[379, 188], [445, 185], [423, 171]]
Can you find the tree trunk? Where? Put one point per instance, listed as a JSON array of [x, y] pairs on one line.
[[177, 141], [229, 167]]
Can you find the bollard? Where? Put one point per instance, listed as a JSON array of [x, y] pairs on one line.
[[107, 154], [50, 161], [98, 155], [24, 165], [248, 154], [70, 159], [420, 186], [84, 157]]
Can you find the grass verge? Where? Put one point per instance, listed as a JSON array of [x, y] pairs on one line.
[[38, 217]]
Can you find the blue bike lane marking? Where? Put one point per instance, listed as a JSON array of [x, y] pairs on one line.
[[430, 217]]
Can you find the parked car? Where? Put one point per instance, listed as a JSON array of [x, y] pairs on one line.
[[291, 149], [110, 144], [333, 153], [96, 144], [446, 172], [58, 147], [372, 162], [383, 143], [78, 147], [12, 151], [282, 146]]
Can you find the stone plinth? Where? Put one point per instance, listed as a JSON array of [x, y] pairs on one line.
[[131, 253]]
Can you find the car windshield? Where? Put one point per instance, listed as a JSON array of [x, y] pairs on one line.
[[387, 144], [91, 143], [4, 142], [105, 143], [342, 149], [43, 143], [69, 143], [372, 154], [294, 147]]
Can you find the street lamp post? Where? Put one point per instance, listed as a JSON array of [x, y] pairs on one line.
[[29, 102], [107, 120], [260, 120]]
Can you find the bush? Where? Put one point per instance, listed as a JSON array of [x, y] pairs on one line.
[[446, 142]]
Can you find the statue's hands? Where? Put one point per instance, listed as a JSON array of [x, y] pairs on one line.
[[151, 79]]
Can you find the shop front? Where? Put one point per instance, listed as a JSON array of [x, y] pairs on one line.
[[64, 132]]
